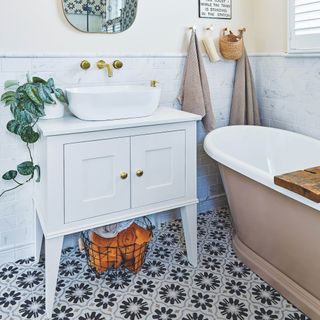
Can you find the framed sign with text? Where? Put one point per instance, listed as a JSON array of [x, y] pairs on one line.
[[215, 9]]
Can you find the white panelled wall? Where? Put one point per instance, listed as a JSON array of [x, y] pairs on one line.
[[16, 214]]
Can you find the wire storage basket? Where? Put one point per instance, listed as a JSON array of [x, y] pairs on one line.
[[127, 250]]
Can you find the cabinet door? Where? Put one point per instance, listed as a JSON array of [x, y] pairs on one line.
[[157, 167], [93, 183]]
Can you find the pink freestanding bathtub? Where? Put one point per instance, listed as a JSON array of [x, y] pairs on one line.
[[277, 232]]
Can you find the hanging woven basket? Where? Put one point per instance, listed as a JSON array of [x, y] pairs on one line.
[[231, 46]]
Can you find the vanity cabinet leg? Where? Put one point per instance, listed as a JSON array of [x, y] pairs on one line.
[[38, 238], [53, 253], [189, 220]]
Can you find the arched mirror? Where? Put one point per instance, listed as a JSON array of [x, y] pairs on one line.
[[100, 16]]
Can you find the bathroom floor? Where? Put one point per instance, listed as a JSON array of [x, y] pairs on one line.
[[221, 287]]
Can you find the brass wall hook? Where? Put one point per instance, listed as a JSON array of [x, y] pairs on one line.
[[209, 28]]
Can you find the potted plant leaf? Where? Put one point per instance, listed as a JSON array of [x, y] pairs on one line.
[[29, 102]]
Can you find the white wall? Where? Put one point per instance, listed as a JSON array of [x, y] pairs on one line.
[[39, 26], [270, 26]]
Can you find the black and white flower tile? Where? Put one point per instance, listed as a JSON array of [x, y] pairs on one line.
[[167, 287]]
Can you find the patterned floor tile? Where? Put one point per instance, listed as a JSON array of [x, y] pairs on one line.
[[167, 287]]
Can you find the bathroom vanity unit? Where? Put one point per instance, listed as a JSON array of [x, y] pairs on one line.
[[97, 173]]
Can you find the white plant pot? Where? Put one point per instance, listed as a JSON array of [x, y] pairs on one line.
[[53, 111]]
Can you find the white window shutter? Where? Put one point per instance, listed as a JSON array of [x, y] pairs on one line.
[[304, 25]]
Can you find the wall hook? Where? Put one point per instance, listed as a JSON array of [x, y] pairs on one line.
[[209, 28], [193, 28], [226, 29]]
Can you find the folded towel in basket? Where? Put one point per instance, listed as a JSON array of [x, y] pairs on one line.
[[104, 253], [134, 260], [127, 247]]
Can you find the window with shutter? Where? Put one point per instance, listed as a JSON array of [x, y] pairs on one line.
[[304, 25]]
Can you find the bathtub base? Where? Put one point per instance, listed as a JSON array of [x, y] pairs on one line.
[[298, 296], [278, 238]]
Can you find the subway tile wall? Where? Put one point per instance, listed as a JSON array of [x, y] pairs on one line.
[[16, 210], [288, 89]]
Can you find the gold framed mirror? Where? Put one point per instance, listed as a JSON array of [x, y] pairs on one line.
[[100, 16]]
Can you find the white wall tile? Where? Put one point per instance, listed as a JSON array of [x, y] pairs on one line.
[[288, 92], [16, 64]]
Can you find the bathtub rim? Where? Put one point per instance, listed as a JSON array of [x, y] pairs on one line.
[[252, 172]]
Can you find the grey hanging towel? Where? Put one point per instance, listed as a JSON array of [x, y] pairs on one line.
[[195, 93], [244, 108]]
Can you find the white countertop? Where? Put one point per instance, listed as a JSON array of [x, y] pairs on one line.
[[70, 124]]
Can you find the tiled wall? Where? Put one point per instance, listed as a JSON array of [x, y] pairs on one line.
[[16, 215], [288, 89]]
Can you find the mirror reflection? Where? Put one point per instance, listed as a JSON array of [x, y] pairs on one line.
[[101, 16]]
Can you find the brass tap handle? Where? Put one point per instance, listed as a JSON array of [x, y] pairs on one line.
[[117, 64], [124, 175], [85, 64], [101, 64], [139, 173]]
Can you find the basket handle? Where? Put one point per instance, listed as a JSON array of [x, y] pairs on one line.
[[241, 31], [225, 30]]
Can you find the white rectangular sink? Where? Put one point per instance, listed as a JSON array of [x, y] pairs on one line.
[[113, 102]]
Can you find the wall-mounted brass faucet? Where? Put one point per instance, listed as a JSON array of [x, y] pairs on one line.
[[117, 64], [101, 64]]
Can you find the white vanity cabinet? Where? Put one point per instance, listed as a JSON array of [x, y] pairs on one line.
[[97, 173]]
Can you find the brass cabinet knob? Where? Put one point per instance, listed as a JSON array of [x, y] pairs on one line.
[[139, 173], [117, 64], [85, 64], [124, 175]]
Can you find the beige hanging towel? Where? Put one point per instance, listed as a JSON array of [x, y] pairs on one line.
[[244, 108], [194, 93]]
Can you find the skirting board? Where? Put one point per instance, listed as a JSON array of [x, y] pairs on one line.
[[278, 280], [15, 253]]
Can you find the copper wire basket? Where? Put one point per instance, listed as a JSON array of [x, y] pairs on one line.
[[104, 255]]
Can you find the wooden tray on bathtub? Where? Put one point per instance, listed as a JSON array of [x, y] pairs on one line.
[[304, 182]]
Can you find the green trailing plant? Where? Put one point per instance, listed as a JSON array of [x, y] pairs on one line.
[[26, 104]]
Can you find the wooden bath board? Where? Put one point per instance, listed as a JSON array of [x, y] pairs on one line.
[[304, 182]]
